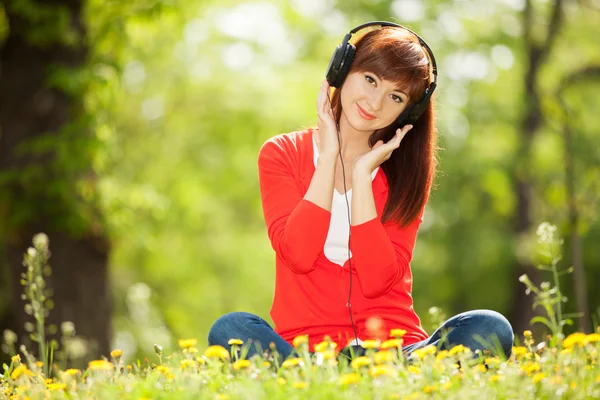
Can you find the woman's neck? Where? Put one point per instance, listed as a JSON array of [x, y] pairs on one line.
[[353, 142]]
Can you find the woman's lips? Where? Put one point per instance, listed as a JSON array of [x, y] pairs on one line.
[[364, 114]]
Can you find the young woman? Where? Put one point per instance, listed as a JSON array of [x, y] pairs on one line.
[[343, 203]]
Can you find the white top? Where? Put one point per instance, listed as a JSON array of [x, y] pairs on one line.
[[336, 244]]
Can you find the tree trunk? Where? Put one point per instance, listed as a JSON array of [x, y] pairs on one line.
[[37, 195]]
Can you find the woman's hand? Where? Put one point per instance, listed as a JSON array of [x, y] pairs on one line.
[[327, 139], [380, 152]]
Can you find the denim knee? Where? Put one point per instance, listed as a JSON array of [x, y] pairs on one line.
[[499, 328], [225, 327]]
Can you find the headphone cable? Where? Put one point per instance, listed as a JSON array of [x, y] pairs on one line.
[[349, 302]]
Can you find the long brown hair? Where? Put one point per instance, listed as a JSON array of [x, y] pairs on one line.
[[395, 54]]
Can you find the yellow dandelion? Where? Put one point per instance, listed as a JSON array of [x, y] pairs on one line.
[[116, 353], [530, 368], [496, 378], [573, 339], [592, 338], [72, 372], [241, 364], [48, 381], [56, 386], [39, 364], [20, 371], [371, 344], [424, 352], [391, 344], [100, 365], [300, 385], [321, 347], [397, 333], [187, 343], [413, 370], [292, 362], [329, 355], [598, 379], [429, 389], [201, 360], [492, 361], [459, 349], [163, 370], [16, 359], [527, 334], [441, 355], [281, 381], [519, 351], [481, 368], [361, 361], [538, 377], [383, 356], [183, 364], [216, 351], [382, 370], [573, 385], [266, 364], [348, 379], [300, 340], [235, 342], [566, 351]]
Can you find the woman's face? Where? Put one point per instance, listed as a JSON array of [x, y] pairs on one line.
[[370, 103]]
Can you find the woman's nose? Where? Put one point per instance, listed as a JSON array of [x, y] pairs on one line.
[[375, 100]]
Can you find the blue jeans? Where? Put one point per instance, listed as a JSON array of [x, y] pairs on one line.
[[477, 330]]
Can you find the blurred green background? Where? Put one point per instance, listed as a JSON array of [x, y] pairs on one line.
[[177, 96]]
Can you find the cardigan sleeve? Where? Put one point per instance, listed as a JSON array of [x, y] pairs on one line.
[[381, 253], [297, 228]]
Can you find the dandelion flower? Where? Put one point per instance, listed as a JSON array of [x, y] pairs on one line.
[[291, 362], [300, 385], [397, 333], [187, 343], [370, 344], [241, 364], [573, 339], [361, 361], [235, 342], [382, 370], [349, 379], [424, 351], [15, 359], [459, 349], [496, 378], [391, 344], [116, 353], [538, 377], [300, 340], [414, 370], [20, 371], [382, 357], [216, 351], [100, 365], [281, 381], [56, 386], [592, 338]]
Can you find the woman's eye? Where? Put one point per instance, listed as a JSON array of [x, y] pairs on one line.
[[369, 79], [397, 99]]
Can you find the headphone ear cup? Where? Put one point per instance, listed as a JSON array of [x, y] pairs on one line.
[[346, 64]]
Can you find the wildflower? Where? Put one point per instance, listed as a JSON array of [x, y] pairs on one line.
[[360, 362], [424, 351], [441, 355], [519, 351], [397, 333], [56, 386], [39, 364], [163, 370], [391, 344], [241, 364], [328, 355], [459, 349], [527, 334], [72, 372], [20, 371], [530, 368], [349, 379], [187, 343], [557, 380], [538, 377], [492, 361], [100, 365], [598, 379], [480, 368], [216, 351], [592, 338], [300, 385], [429, 389], [300, 340], [281, 381], [496, 378], [414, 370], [370, 344], [15, 359], [266, 364], [201, 360], [573, 385], [116, 354], [186, 364], [321, 347], [382, 357], [380, 370], [235, 342], [292, 362], [573, 339]]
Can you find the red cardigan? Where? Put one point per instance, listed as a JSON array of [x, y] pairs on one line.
[[311, 292]]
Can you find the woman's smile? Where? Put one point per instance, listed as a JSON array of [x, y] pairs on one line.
[[364, 114]]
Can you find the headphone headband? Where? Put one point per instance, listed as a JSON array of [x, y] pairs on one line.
[[342, 58]]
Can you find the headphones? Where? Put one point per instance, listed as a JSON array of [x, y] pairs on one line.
[[342, 58]]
